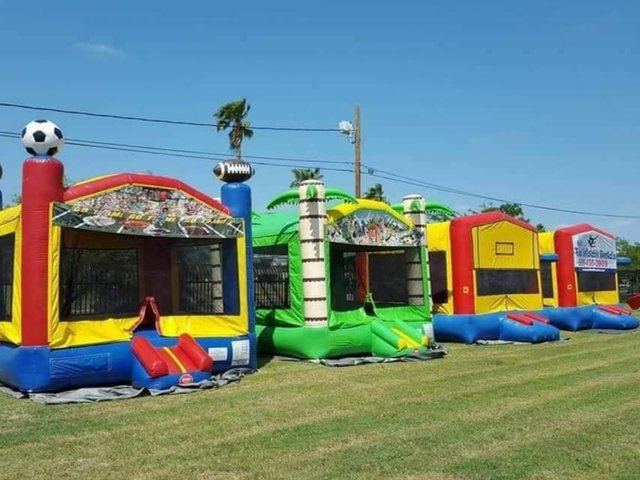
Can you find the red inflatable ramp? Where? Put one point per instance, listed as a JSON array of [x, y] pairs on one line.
[[622, 310], [614, 310], [537, 317], [186, 356], [518, 317]]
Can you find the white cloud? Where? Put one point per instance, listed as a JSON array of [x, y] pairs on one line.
[[96, 48]]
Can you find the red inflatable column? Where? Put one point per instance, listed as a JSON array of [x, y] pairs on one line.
[[566, 273], [41, 185], [462, 267]]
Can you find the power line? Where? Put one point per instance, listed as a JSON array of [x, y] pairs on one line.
[[70, 141], [153, 120], [150, 151], [409, 181], [309, 163]]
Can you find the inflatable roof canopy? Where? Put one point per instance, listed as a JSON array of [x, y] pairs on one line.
[[484, 263]]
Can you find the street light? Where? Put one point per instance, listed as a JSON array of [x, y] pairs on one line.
[[346, 128]]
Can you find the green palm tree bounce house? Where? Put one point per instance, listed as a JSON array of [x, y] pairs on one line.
[[350, 281]]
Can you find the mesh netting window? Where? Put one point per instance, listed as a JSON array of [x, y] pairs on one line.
[[6, 275], [438, 274], [388, 278], [98, 282], [546, 277], [348, 279], [358, 271], [200, 276], [271, 276], [491, 281], [596, 281], [628, 283]]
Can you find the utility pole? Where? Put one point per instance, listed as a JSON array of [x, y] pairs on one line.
[[357, 164], [353, 133]]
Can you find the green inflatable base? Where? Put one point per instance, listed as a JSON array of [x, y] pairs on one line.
[[378, 338]]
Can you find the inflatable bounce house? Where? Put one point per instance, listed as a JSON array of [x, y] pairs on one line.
[[579, 279], [349, 281], [122, 279], [485, 280]]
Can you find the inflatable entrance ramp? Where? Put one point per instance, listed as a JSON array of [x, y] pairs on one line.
[[396, 339], [520, 326], [587, 317], [164, 367], [614, 318]]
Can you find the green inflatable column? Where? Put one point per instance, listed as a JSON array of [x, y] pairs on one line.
[[313, 218], [414, 209]]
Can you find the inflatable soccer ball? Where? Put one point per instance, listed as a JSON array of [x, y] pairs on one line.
[[42, 137]]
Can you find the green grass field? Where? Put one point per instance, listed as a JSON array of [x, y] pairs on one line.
[[568, 410]]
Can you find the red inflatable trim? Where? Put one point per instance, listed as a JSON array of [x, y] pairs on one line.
[[536, 317], [149, 307], [614, 310], [113, 181], [520, 318]]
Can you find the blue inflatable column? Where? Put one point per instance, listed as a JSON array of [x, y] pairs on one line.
[[237, 196]]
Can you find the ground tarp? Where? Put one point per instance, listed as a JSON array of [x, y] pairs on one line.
[[123, 392], [435, 352]]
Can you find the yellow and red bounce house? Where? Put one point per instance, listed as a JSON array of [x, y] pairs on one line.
[[485, 280], [126, 278]]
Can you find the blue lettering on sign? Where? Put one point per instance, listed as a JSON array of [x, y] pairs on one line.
[[593, 253]]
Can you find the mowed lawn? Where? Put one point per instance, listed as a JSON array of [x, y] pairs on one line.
[[568, 410]]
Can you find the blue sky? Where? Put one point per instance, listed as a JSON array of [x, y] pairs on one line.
[[533, 101]]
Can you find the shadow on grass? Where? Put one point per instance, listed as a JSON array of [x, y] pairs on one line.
[[264, 359]]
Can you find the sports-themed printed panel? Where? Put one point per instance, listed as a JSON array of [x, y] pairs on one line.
[[372, 227], [137, 210]]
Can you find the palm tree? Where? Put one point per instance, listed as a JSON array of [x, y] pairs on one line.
[[233, 115], [376, 193], [302, 174]]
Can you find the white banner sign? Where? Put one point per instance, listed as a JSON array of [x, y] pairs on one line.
[[594, 251]]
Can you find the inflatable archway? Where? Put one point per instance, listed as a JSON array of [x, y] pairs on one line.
[[125, 278]]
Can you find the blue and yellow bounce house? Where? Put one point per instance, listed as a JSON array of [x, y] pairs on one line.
[[123, 279]]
